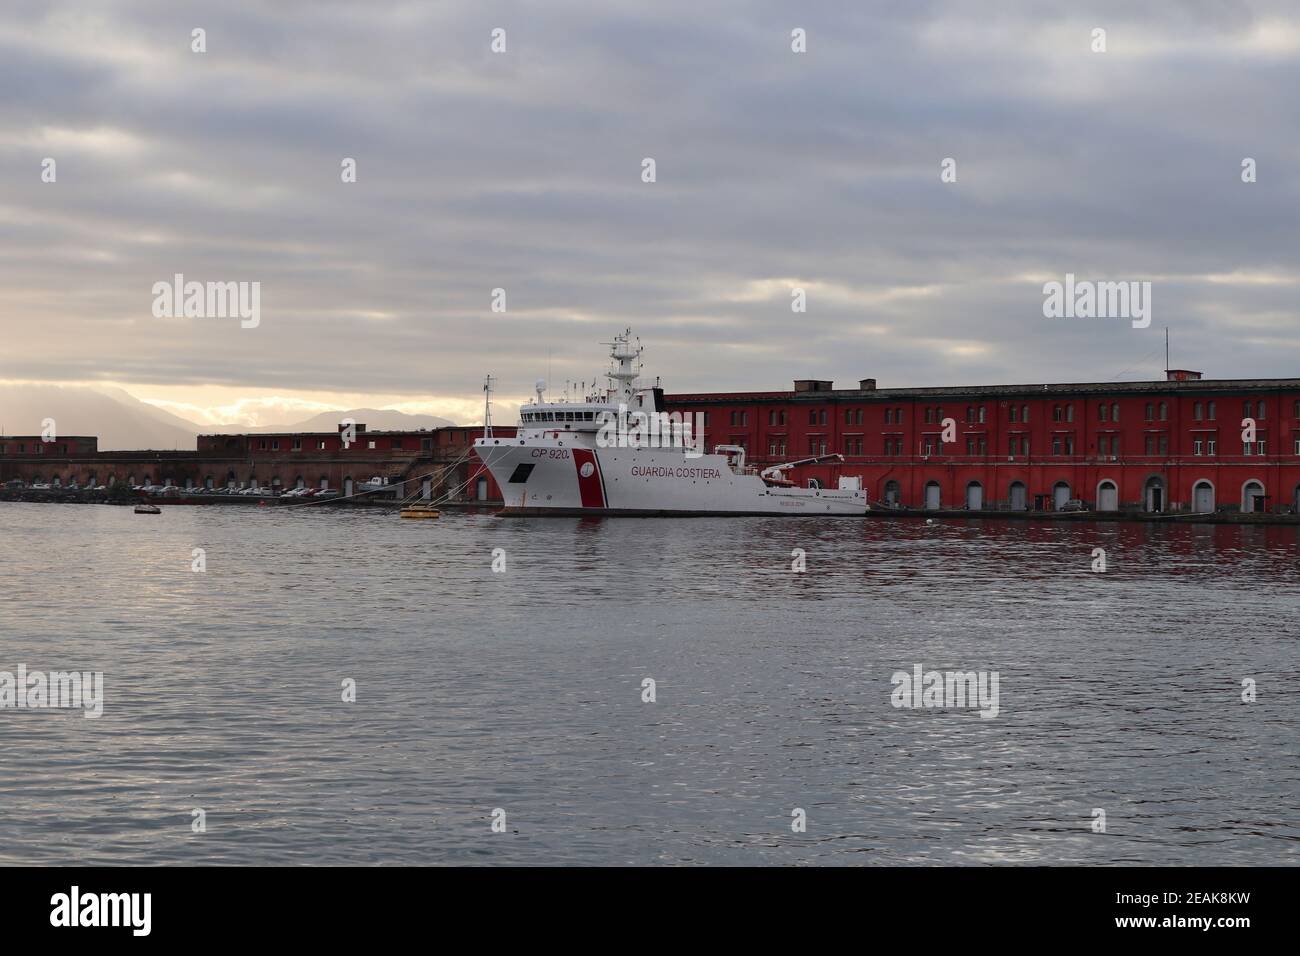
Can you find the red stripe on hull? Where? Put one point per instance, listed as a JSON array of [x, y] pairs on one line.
[[589, 487]]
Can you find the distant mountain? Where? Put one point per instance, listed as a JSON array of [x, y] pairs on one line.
[[123, 423], [375, 419]]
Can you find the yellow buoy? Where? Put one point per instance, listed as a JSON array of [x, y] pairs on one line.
[[420, 511]]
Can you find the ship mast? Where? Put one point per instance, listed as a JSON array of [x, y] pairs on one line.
[[626, 370], [487, 407]]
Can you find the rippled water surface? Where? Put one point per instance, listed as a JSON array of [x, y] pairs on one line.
[[523, 690]]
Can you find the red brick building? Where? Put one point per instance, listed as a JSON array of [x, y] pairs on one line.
[[435, 463], [1173, 445]]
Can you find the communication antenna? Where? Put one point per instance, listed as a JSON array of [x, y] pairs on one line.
[[487, 407]]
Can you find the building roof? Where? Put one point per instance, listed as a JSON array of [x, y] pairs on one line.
[[1193, 386]]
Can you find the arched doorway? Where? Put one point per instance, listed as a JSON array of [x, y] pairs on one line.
[[426, 487], [1060, 495], [481, 488], [347, 486], [1203, 497], [1018, 498], [893, 493], [1107, 496], [974, 496], [1252, 496], [1153, 495], [933, 496]]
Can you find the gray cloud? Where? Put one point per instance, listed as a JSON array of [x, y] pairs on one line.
[[522, 171]]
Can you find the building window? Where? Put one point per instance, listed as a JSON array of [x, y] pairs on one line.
[[1164, 444], [1103, 412], [1209, 413], [1114, 412], [370, 445], [1196, 412], [297, 444], [261, 445], [1014, 413], [1024, 413], [1259, 447], [1260, 411], [1011, 446], [1057, 415], [1247, 410], [1297, 447], [1150, 443], [982, 412], [1164, 412], [1056, 445], [1246, 447], [1209, 446], [1196, 447], [1069, 413], [320, 445], [1151, 411]]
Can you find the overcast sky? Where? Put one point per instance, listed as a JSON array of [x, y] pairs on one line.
[[523, 170]]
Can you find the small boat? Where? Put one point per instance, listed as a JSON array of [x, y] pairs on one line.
[[421, 511], [148, 510]]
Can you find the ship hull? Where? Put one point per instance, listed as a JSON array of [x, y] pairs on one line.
[[565, 477]]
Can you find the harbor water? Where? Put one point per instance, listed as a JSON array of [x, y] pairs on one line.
[[645, 691]]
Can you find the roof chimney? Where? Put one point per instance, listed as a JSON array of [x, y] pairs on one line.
[[811, 385]]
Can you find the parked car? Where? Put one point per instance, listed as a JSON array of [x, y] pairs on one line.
[[1074, 504]]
